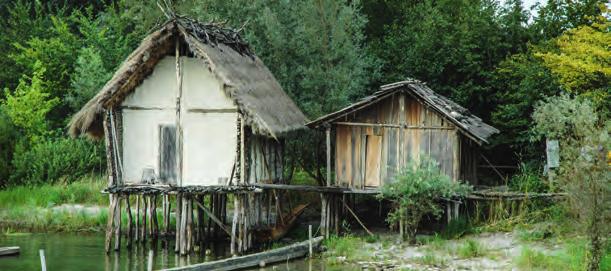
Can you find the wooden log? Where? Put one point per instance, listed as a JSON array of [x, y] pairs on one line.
[[323, 215], [110, 222], [144, 218], [154, 217], [183, 226], [283, 254], [130, 222], [234, 225], [137, 230], [178, 222], [189, 226], [118, 224], [201, 234]]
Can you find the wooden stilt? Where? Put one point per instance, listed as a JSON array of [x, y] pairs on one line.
[[154, 219], [189, 226], [137, 230], [110, 222], [323, 215], [183, 226], [130, 222], [118, 224], [234, 225], [178, 222], [144, 218]]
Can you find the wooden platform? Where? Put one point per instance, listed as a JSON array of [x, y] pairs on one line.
[[233, 189], [294, 251]]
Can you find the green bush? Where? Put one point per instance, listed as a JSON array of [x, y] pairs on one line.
[[56, 160], [528, 179], [416, 191]]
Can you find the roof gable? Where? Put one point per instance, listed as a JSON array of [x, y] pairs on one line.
[[466, 122], [266, 107]]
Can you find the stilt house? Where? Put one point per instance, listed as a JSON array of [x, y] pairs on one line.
[[377, 136], [191, 106]]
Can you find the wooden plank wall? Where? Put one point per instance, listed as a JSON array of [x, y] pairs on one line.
[[399, 145], [265, 156], [469, 159]]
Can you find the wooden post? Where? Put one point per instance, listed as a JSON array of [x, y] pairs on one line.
[[183, 226], [144, 218], [189, 225], [149, 266], [110, 221], [136, 233], [234, 224], [130, 222], [328, 136], [178, 115], [178, 222], [118, 224], [43, 261], [310, 239], [323, 215]]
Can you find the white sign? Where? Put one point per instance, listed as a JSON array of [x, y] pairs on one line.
[[553, 153]]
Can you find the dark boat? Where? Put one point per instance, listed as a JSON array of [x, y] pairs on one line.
[[8, 251]]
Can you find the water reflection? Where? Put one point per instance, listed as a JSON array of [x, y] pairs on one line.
[[70, 252]]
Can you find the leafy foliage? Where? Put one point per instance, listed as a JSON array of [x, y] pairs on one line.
[[55, 160], [584, 171], [29, 105], [416, 191]]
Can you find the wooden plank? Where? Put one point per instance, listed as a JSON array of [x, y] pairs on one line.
[[294, 251], [212, 110], [400, 126], [317, 189], [373, 159]]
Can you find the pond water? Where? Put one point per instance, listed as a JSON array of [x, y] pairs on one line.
[[69, 252]]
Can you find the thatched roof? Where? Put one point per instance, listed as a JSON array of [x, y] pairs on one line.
[[466, 122], [266, 107]]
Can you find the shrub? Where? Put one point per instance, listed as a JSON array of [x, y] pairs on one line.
[[57, 160], [416, 191], [528, 180], [471, 249]]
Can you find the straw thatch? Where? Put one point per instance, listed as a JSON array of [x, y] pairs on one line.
[[266, 107], [466, 122]]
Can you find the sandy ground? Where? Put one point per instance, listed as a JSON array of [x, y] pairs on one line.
[[500, 248]]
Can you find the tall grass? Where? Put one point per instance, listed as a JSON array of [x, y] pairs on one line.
[[84, 191], [35, 219], [573, 257]]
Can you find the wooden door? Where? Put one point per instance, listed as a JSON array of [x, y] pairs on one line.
[[373, 157], [167, 154]]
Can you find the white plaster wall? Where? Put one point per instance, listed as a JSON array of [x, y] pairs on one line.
[[201, 89], [210, 147], [209, 138], [158, 89], [141, 140]]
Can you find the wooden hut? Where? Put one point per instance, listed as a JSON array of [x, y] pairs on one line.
[[191, 111], [377, 136]]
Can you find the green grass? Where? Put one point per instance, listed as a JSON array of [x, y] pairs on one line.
[[85, 191], [470, 249], [432, 259], [573, 257], [33, 219]]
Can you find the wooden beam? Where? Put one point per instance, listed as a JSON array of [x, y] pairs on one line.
[[317, 189], [178, 115], [212, 110], [214, 218], [398, 126]]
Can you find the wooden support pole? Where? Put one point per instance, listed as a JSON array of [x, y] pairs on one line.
[[43, 261], [137, 230], [110, 222], [118, 224], [178, 212], [323, 215], [144, 218], [130, 221], [189, 226], [154, 219], [183, 226], [328, 137], [234, 225]]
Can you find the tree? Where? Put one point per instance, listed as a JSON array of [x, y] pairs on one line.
[[417, 191], [582, 63], [89, 77], [28, 106], [584, 170]]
